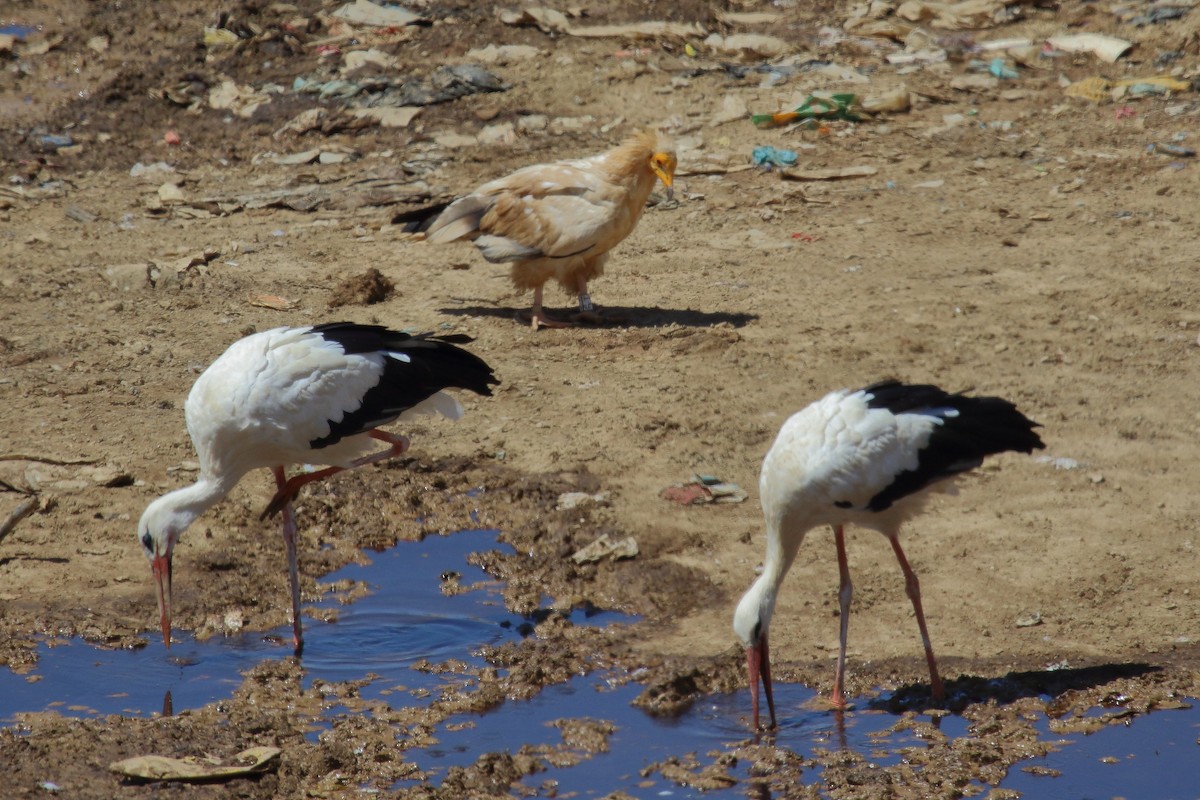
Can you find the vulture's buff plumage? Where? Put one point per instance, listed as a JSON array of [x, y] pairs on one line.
[[560, 220]]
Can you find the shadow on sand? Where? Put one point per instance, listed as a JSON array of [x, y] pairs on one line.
[[968, 689], [615, 316]]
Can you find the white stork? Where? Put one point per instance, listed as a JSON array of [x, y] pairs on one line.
[[868, 457], [310, 395]]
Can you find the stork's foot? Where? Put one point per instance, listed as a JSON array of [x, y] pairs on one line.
[[838, 702]]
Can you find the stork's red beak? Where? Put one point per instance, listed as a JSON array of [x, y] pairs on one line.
[[160, 565], [758, 663]]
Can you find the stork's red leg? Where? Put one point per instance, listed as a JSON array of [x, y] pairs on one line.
[[913, 587], [285, 493], [289, 541], [845, 593]]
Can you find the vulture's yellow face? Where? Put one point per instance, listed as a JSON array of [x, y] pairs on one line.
[[663, 165]]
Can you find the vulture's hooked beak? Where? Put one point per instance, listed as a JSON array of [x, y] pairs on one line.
[[758, 663], [664, 167], [160, 565]]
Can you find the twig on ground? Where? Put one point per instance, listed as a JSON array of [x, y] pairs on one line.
[[61, 462], [27, 507]]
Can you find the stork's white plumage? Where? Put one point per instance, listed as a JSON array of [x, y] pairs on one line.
[[311, 395], [870, 458]]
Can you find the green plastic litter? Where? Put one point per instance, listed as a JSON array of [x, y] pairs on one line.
[[836, 106]]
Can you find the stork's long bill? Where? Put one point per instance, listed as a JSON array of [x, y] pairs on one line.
[[160, 565], [758, 663]]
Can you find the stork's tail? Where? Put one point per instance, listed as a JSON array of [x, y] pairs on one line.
[[967, 430]]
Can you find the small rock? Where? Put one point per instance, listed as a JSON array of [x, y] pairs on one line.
[[504, 54], [974, 83], [504, 133], [153, 171], [453, 140], [81, 215], [733, 108], [389, 117], [604, 547], [357, 59], [532, 123], [570, 500], [571, 124], [328, 157], [748, 45], [128, 277], [297, 159], [110, 477], [169, 193], [234, 620]]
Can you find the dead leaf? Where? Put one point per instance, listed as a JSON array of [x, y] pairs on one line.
[[639, 30], [551, 21], [748, 17], [163, 768], [827, 174], [364, 12], [272, 301], [389, 117], [1105, 48]]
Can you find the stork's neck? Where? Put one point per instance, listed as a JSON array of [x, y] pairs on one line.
[[782, 545], [186, 504], [759, 601]]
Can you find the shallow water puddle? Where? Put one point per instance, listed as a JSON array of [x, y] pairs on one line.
[[406, 619], [1152, 757], [713, 726]]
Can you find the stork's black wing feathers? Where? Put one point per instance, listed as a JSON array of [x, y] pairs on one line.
[[434, 363], [971, 428]]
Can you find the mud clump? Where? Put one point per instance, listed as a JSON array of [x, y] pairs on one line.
[[367, 289]]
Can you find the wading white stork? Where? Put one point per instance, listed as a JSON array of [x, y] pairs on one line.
[[310, 395], [868, 457]]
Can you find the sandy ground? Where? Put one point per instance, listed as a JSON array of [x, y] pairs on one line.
[[1033, 247]]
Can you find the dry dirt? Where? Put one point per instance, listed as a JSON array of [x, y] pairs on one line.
[[1037, 250]]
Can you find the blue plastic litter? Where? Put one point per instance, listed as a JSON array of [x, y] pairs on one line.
[[52, 142], [767, 156], [18, 30], [1002, 70]]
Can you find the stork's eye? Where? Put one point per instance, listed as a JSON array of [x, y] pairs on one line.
[[756, 634], [148, 542]]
